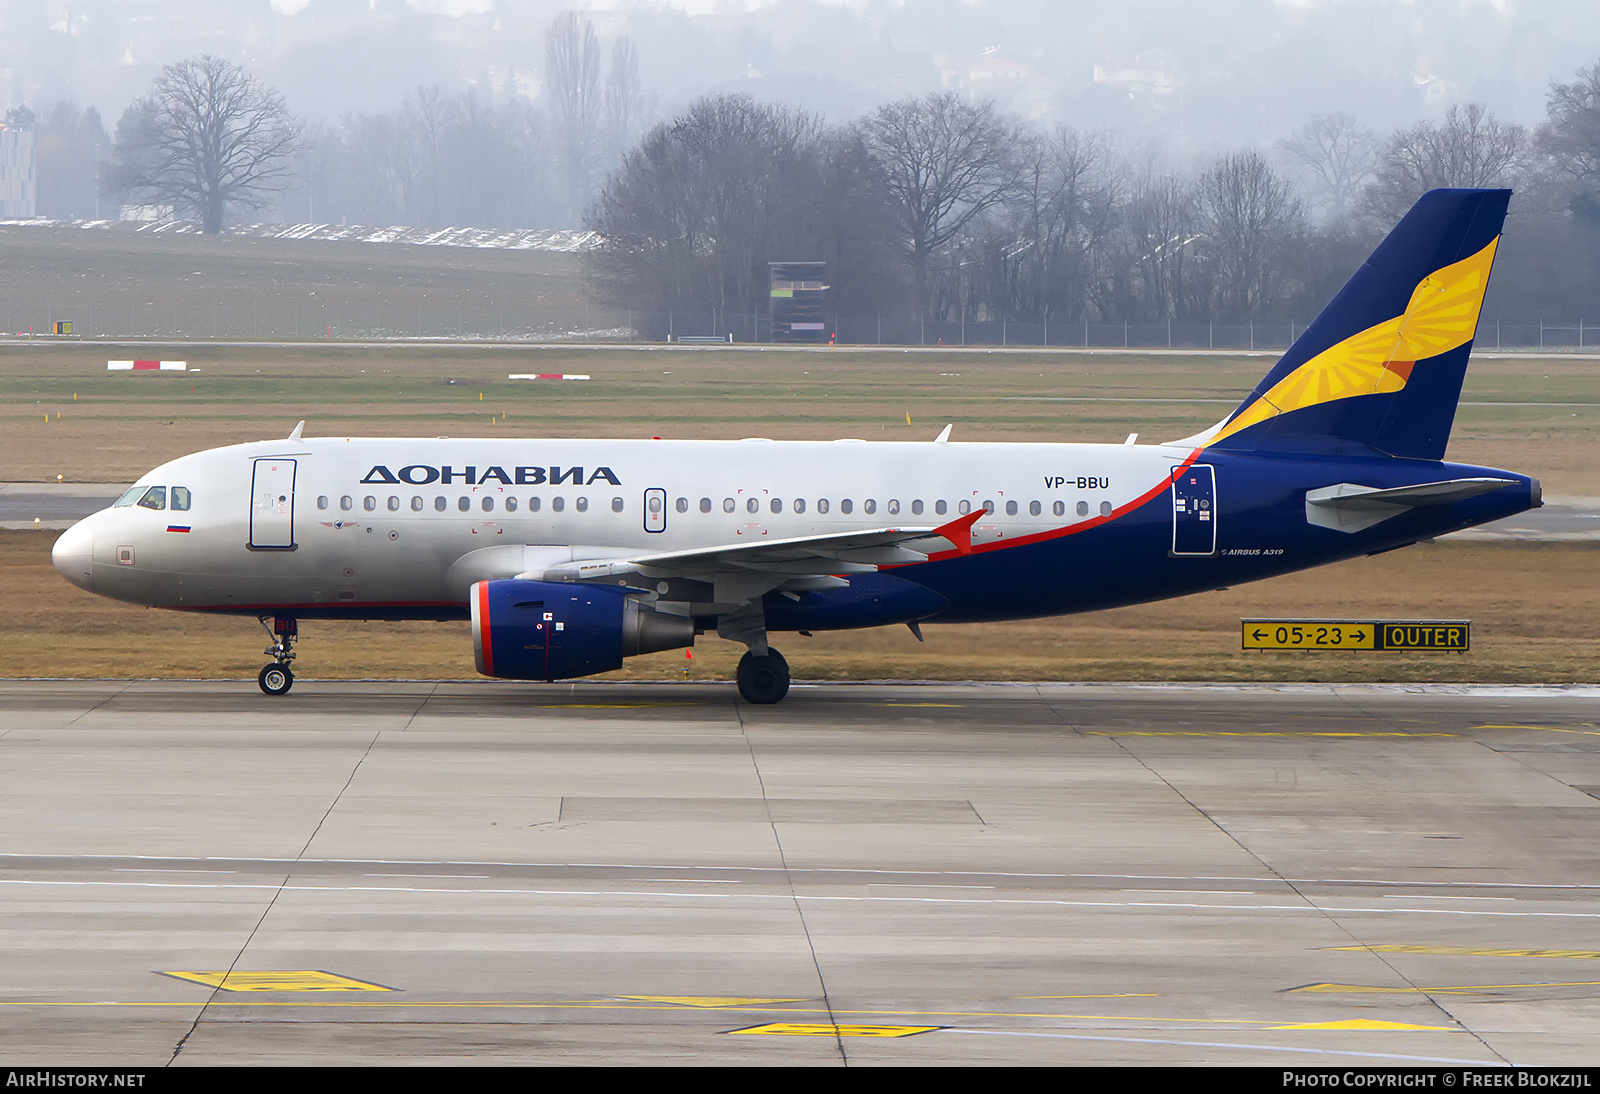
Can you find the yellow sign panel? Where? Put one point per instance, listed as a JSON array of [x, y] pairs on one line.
[[1453, 635], [277, 981]]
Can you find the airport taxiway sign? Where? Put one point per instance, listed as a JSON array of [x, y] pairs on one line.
[[1452, 635]]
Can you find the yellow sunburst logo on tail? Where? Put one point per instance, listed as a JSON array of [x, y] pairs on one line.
[[1441, 315]]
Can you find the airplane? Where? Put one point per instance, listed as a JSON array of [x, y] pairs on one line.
[[569, 556]]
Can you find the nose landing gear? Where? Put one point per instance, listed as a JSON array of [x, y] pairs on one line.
[[276, 678]]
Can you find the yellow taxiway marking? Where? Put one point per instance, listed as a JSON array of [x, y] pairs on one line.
[[707, 1002], [1550, 729], [1465, 989], [829, 1029], [277, 981], [1259, 733], [1464, 951], [1364, 1023]]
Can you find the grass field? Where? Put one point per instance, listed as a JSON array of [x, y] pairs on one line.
[[1535, 613], [1536, 415], [1534, 607], [119, 283]]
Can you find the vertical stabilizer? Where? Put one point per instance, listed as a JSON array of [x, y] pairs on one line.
[[1380, 369]]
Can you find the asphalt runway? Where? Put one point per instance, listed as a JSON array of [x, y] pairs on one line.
[[1075, 874]]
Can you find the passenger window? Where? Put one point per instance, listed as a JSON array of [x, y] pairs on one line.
[[464, 503], [799, 505], [416, 505], [488, 505], [727, 505], [705, 505], [154, 498], [322, 501], [940, 507], [583, 505], [533, 505], [752, 505], [558, 503], [394, 504], [988, 507], [683, 505], [1034, 508], [180, 498], [1105, 509], [1083, 508], [1059, 509], [1011, 508], [964, 508], [822, 505], [439, 503], [777, 505], [369, 503], [616, 505], [844, 506], [916, 508], [347, 503], [511, 505], [869, 506], [894, 506]]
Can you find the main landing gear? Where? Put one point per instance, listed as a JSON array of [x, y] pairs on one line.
[[763, 679], [276, 678]]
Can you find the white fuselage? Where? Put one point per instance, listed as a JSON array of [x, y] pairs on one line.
[[380, 522]]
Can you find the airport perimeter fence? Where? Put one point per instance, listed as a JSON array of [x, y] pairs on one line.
[[328, 318]]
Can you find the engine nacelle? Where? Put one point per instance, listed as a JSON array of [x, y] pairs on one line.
[[547, 630]]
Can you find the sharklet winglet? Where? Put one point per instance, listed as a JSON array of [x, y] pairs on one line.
[[959, 531]]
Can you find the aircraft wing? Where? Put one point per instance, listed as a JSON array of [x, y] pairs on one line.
[[782, 559]]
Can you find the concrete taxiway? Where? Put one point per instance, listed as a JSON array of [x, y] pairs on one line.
[[194, 873]]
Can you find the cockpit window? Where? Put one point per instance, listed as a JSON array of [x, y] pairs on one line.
[[180, 498], [154, 498], [128, 498]]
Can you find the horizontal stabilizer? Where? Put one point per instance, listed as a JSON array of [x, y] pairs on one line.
[[1349, 507]]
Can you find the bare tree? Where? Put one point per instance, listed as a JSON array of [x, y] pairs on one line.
[[943, 160], [207, 137], [1571, 135], [624, 98], [1248, 214], [1339, 154], [698, 209], [572, 86], [1469, 148]]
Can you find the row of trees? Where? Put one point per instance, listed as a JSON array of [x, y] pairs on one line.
[[211, 142], [936, 206], [939, 206]]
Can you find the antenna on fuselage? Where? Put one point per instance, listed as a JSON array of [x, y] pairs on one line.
[[294, 434]]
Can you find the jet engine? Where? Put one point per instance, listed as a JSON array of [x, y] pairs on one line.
[[546, 630]]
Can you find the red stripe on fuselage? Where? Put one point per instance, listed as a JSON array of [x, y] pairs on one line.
[[1073, 529]]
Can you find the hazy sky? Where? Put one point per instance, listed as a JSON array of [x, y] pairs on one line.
[[1188, 74]]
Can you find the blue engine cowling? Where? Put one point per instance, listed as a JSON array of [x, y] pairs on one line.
[[545, 630]]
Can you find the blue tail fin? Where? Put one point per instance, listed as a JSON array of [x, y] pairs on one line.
[[1380, 370]]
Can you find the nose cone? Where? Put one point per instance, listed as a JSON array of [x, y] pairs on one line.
[[73, 555]]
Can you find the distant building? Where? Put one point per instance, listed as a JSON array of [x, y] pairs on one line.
[[19, 174], [1149, 77], [797, 301]]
